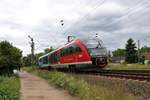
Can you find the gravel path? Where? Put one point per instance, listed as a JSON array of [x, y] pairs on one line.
[[35, 88]]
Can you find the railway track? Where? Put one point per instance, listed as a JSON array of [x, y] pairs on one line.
[[141, 75]]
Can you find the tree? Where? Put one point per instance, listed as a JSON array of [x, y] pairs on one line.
[[27, 60], [131, 52], [47, 50], [145, 49], [10, 57], [119, 53], [37, 55]]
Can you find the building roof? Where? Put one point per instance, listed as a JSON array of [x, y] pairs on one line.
[[146, 55]]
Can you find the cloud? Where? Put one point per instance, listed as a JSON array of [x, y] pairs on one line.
[[114, 20]]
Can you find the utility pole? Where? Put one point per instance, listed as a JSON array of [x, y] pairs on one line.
[[138, 50], [32, 49]]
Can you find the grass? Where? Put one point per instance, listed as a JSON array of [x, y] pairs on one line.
[[81, 88], [128, 66], [9, 88]]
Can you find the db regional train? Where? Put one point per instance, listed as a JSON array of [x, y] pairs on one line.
[[77, 54]]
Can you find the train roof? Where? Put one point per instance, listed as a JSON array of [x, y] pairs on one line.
[[67, 44]]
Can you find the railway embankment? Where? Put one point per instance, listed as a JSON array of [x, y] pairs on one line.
[[140, 89], [81, 88], [118, 66]]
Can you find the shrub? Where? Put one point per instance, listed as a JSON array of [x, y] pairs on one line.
[[10, 58], [9, 88]]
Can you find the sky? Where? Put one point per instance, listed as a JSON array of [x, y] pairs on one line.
[[115, 21]]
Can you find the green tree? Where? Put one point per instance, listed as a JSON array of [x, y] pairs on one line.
[[119, 53], [131, 52], [145, 49], [10, 57], [37, 55], [47, 50], [27, 60]]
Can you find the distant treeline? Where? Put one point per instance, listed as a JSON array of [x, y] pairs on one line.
[[131, 52]]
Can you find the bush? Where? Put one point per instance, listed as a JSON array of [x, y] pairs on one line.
[[10, 57], [148, 62], [9, 88]]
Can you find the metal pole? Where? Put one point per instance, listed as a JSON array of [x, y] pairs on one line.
[[32, 49], [138, 50]]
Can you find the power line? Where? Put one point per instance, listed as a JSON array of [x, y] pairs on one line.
[[87, 14], [129, 12]]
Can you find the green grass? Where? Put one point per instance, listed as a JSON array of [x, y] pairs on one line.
[[81, 88], [9, 88], [128, 66]]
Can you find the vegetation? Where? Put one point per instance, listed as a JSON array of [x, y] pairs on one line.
[[10, 58], [47, 50], [145, 49], [119, 53], [131, 52], [9, 88], [27, 59], [128, 66], [80, 88]]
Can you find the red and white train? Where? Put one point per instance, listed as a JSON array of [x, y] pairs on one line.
[[86, 54]]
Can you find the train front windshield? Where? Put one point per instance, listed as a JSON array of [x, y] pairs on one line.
[[95, 47]]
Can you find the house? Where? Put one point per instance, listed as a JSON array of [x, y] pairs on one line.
[[118, 59], [146, 57]]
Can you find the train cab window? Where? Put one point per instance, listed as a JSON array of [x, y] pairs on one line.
[[40, 60]]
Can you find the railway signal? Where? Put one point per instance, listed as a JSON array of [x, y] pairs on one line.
[[62, 22], [32, 49]]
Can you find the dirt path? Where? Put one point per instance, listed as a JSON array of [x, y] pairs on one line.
[[35, 88]]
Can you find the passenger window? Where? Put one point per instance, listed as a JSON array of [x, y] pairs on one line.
[[77, 49], [71, 49]]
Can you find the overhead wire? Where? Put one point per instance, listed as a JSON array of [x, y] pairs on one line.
[[87, 14], [129, 12], [99, 3]]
